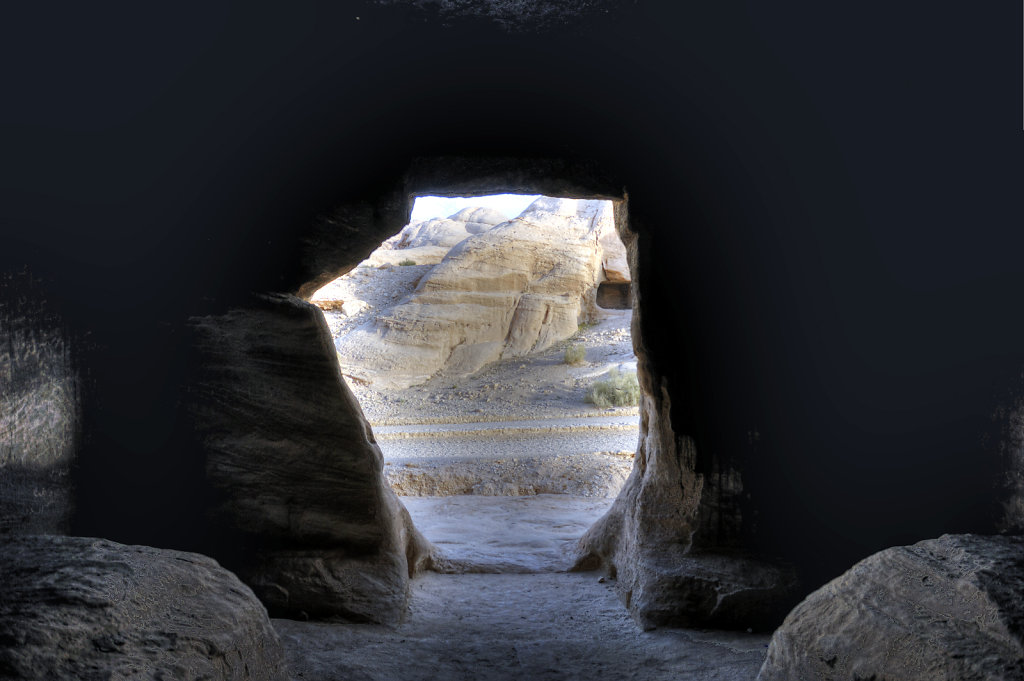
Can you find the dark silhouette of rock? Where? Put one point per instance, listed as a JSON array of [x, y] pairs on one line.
[[82, 608], [946, 609]]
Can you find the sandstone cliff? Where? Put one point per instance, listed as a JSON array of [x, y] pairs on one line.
[[507, 291]]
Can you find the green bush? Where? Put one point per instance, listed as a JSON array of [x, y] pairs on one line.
[[615, 389], [575, 354], [407, 262]]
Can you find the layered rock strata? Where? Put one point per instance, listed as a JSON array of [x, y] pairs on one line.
[[511, 290], [295, 471], [81, 608], [946, 609]]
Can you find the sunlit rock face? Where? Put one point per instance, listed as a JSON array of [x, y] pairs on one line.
[[446, 231], [39, 414], [294, 471], [946, 609], [516, 288], [83, 608]]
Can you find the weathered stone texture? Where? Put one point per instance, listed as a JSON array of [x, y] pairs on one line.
[[81, 608], [514, 289], [946, 609], [39, 413], [294, 468], [670, 539], [1012, 450]]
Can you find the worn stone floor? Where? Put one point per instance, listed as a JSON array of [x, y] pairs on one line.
[[492, 627], [515, 613]]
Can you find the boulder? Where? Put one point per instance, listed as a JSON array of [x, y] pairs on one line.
[[512, 290], [81, 608], [946, 609]]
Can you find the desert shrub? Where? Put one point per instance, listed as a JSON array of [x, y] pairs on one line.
[[407, 262], [575, 354], [615, 389]]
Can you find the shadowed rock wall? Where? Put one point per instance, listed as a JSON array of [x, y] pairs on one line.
[[297, 496], [674, 539], [39, 412]]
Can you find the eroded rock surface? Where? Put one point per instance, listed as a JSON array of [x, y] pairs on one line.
[[446, 231], [511, 290], [39, 413], [946, 609], [295, 471], [671, 537], [81, 608]]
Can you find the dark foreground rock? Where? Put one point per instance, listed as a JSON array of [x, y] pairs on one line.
[[81, 608], [950, 608]]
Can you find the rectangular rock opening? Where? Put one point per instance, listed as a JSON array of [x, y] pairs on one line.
[[500, 389]]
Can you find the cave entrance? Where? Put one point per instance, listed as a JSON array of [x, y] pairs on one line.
[[489, 345]]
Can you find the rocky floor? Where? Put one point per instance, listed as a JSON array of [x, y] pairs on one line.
[[491, 627]]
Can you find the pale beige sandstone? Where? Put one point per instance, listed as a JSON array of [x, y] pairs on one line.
[[425, 242], [515, 289], [445, 231]]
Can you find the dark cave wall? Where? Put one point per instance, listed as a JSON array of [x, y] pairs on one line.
[[828, 234], [39, 411]]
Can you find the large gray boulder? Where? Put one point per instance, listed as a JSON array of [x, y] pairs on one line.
[[946, 609], [81, 608]]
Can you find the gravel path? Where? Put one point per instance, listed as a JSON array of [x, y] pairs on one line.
[[522, 426]]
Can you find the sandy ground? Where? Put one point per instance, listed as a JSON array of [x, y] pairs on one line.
[[507, 534], [493, 627]]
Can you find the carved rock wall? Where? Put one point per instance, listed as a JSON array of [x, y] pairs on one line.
[[296, 487], [672, 539]]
